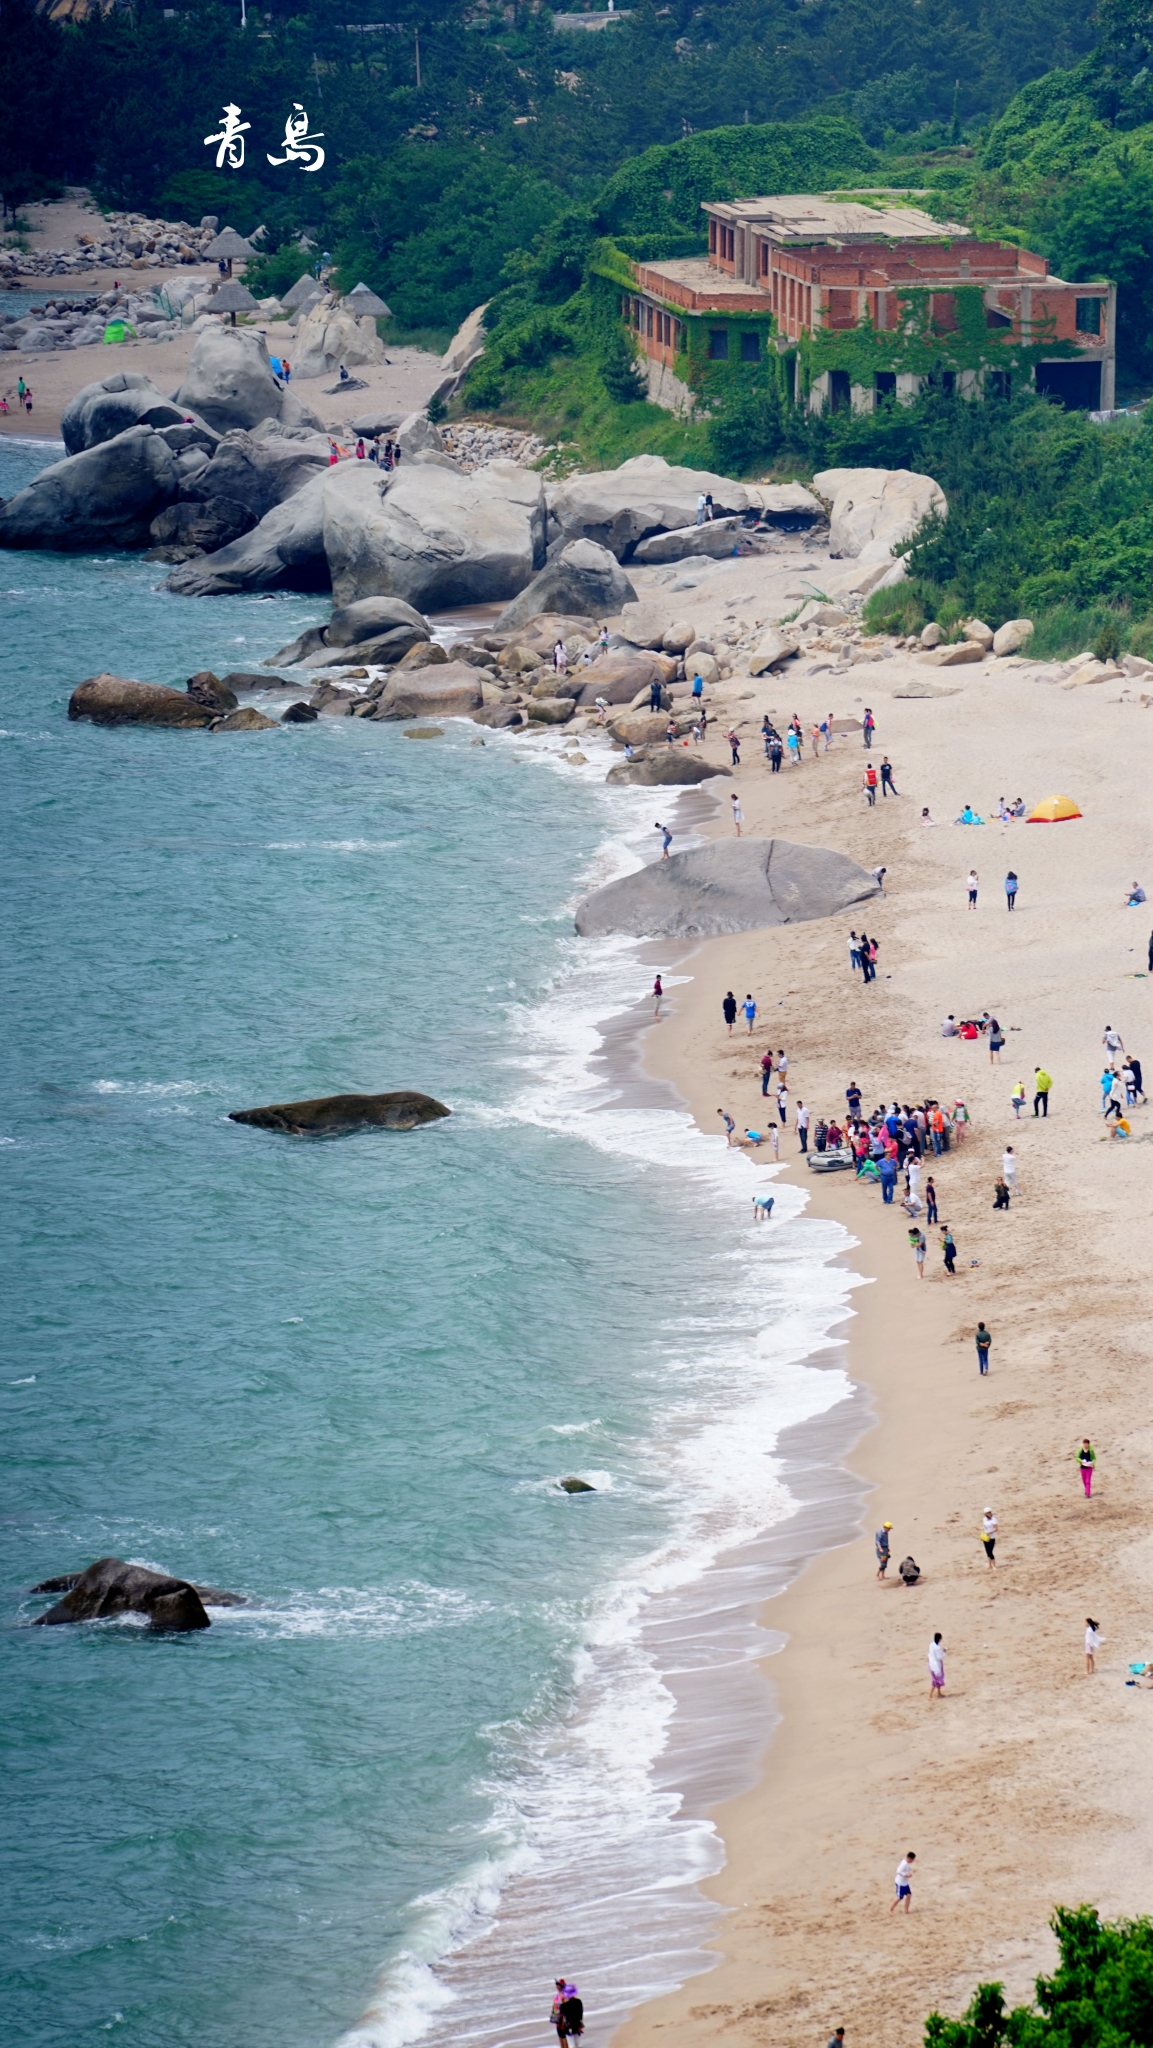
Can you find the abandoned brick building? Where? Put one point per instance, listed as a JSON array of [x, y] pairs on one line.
[[863, 300]]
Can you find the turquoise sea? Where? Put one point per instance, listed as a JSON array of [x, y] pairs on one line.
[[432, 1763]]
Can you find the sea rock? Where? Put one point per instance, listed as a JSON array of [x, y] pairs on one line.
[[621, 676], [334, 1116], [386, 625], [497, 716], [107, 496], [816, 614], [731, 885], [467, 343], [247, 720], [425, 654], [206, 526], [705, 666], [643, 625], [549, 710], [229, 380], [776, 647], [434, 539], [284, 551], [368, 425], [424, 732], [873, 510], [955, 656], [575, 1486], [126, 399], [115, 700], [646, 495], [110, 1587], [979, 632], [259, 469], [1012, 635], [666, 768], [247, 679], [714, 539], [451, 691], [583, 578], [207, 690], [299, 714], [644, 728]]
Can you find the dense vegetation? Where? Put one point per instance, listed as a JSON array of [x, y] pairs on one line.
[[1100, 1995]]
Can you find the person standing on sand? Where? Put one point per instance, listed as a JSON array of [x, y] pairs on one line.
[[666, 838], [836, 2038], [729, 1006], [803, 1120], [734, 746], [750, 1009], [1009, 1168], [728, 1123], [766, 1070], [868, 727], [917, 1245], [989, 1535], [904, 1880], [869, 783], [1092, 1639], [983, 1340], [738, 814], [1086, 1459], [1010, 891], [971, 885], [937, 1655], [658, 993], [949, 1248], [930, 1201], [888, 786], [881, 1546], [783, 1103], [1042, 1083]]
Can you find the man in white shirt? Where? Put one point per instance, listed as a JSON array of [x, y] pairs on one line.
[[936, 1667], [904, 1880], [949, 1027], [803, 1125], [1112, 1042], [1009, 1169], [989, 1535]]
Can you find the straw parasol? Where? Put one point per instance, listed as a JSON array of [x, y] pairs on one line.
[[232, 297], [362, 303], [228, 244], [304, 293], [1052, 810]]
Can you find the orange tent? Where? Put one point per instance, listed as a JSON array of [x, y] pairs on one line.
[[1052, 810]]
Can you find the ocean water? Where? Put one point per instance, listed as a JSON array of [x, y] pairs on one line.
[[438, 1757]]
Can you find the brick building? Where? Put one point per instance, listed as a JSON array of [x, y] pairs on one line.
[[862, 302]]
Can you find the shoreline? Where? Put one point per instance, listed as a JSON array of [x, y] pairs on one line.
[[857, 1768]]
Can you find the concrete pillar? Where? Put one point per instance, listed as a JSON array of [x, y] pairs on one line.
[[908, 387], [861, 397], [819, 394], [1109, 361]]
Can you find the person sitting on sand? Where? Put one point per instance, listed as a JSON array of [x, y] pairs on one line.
[[908, 1571], [1136, 895], [969, 817]]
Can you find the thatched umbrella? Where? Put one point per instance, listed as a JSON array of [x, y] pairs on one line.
[[361, 303], [227, 245], [305, 292], [232, 297]]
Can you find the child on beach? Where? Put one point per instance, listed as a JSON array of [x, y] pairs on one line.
[[1086, 1459], [1092, 1638], [904, 1878], [936, 1668]]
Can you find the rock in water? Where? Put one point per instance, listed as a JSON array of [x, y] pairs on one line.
[[333, 1116], [116, 700], [110, 1587], [731, 885], [670, 768], [106, 497], [208, 691], [575, 1486], [451, 690], [584, 579], [247, 720]]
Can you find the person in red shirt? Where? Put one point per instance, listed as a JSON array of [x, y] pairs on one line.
[[870, 783]]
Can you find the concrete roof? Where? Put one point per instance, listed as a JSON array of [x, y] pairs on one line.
[[796, 217]]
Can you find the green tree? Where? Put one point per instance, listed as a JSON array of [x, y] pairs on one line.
[[1100, 1995], [1103, 227]]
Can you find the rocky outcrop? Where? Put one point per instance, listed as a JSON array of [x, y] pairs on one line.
[[229, 382], [646, 495], [335, 1116], [584, 579], [110, 1587], [246, 720], [116, 700], [433, 538], [732, 885], [715, 538], [666, 768], [207, 690], [126, 399], [772, 649], [208, 527], [325, 338], [374, 629], [572, 1485], [873, 510], [105, 497], [790, 505], [1012, 635], [284, 551], [258, 469], [452, 690], [620, 676]]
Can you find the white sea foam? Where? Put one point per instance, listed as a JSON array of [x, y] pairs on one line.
[[597, 1854], [332, 845]]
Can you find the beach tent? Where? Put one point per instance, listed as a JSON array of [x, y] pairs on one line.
[[1052, 810], [119, 330]]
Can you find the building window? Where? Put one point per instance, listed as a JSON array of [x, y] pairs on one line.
[[948, 382], [750, 348], [719, 344], [885, 387], [998, 384], [1088, 316], [840, 395], [712, 238], [994, 318], [649, 321], [842, 308]]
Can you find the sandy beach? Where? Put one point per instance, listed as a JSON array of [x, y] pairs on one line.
[[1027, 1785]]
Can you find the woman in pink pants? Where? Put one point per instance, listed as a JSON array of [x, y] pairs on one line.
[[1087, 1458]]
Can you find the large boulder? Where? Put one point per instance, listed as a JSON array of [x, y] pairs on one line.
[[110, 1587], [621, 676], [105, 497], [666, 768], [451, 690], [116, 700], [350, 626], [259, 468], [715, 538], [334, 1116], [789, 505], [1012, 635], [619, 507], [326, 338], [285, 551], [584, 579], [417, 435], [873, 510], [208, 527], [126, 399], [731, 885], [229, 380], [433, 538]]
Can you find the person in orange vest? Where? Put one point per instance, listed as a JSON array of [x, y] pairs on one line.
[[870, 783]]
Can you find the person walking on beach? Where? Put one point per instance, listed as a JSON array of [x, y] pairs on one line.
[[1010, 891], [836, 2038], [854, 952], [937, 1655], [1092, 1638], [783, 1104], [766, 1070], [738, 814], [881, 1546], [869, 783], [888, 786], [868, 727], [1009, 1168], [917, 1245], [666, 838], [904, 1880], [989, 1535], [804, 1117], [734, 746], [1042, 1082], [658, 994], [728, 1123], [930, 1201], [1086, 1459], [971, 885], [949, 1248], [750, 1009], [729, 1006], [983, 1340]]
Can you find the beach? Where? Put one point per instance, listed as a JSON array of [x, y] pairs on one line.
[[1027, 1785]]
